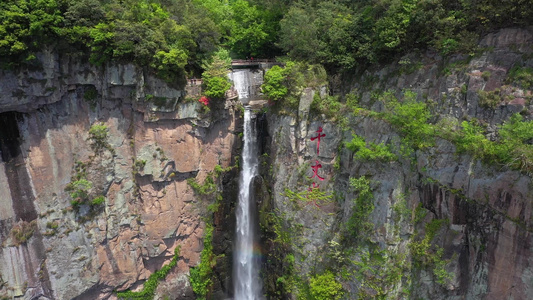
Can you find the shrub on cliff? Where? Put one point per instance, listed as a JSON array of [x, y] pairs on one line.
[[287, 84], [148, 291], [325, 287], [98, 134], [22, 232], [201, 275], [274, 83], [370, 151], [215, 78]]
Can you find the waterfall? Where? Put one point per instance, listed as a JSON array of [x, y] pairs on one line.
[[245, 264], [247, 83]]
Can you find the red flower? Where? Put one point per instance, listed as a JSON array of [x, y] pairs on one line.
[[204, 100]]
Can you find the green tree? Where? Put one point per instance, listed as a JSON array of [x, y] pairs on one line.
[[248, 34], [25, 25], [298, 33], [274, 83], [215, 76]]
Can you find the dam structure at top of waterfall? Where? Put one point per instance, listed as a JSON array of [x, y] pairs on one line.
[[246, 264]]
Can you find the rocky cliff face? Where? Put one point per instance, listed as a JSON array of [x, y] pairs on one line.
[[438, 225], [431, 224], [60, 245]]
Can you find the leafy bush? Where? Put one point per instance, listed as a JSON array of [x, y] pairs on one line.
[[427, 255], [98, 135], [98, 201], [274, 83], [521, 76], [80, 189], [329, 106], [513, 148], [90, 94], [346, 34], [369, 151], [216, 87], [215, 76], [411, 118], [325, 287], [312, 195], [201, 275], [24, 26], [489, 99], [207, 188]]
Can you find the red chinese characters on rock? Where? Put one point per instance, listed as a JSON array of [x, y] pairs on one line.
[[316, 166], [320, 135], [314, 186], [315, 171]]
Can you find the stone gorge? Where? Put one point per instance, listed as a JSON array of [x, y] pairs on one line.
[[436, 223]]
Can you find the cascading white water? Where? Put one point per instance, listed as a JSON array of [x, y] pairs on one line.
[[245, 265], [247, 83], [242, 83]]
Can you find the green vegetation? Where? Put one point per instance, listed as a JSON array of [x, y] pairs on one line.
[[283, 277], [285, 85], [170, 37], [215, 76], [248, 28], [148, 291], [512, 148], [201, 275], [369, 151], [346, 34], [173, 37], [51, 228], [325, 287], [140, 31], [430, 256], [274, 86], [98, 134], [490, 99], [359, 226], [79, 191], [313, 195], [410, 118], [207, 188], [22, 231], [521, 76], [330, 106], [98, 201], [379, 271], [90, 96]]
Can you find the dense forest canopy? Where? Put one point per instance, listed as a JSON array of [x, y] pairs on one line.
[[172, 36]]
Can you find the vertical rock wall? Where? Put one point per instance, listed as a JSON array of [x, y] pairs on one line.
[[155, 142], [478, 216]]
